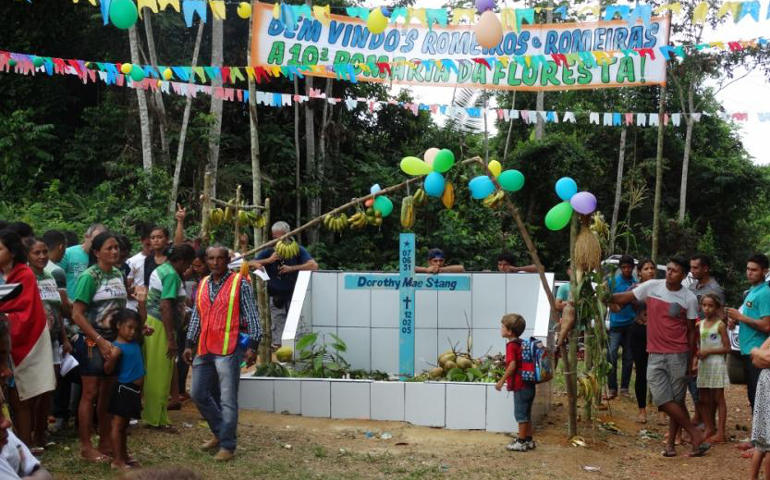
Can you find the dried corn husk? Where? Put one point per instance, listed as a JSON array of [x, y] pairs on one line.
[[567, 322], [588, 251]]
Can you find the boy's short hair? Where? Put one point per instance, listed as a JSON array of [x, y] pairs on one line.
[[626, 260], [514, 322], [682, 262], [760, 259]]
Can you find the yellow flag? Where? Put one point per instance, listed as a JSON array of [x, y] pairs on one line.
[[322, 14], [459, 14], [165, 3], [151, 4], [418, 13], [218, 9], [700, 13], [508, 18], [277, 10]]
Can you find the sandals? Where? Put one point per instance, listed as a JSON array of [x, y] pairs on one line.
[[668, 453]]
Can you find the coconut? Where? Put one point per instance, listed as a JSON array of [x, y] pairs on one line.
[[449, 365], [446, 357], [437, 372], [464, 363], [284, 354]]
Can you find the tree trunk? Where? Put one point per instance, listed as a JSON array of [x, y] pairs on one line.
[[314, 203], [686, 156], [141, 97], [298, 161], [510, 128], [618, 190], [570, 374], [326, 113], [256, 168], [160, 107], [658, 176], [183, 129], [215, 130]]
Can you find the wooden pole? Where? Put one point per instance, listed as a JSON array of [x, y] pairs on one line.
[[206, 207], [265, 353], [570, 375], [237, 222]]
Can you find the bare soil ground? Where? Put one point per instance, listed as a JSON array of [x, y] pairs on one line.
[[285, 446]]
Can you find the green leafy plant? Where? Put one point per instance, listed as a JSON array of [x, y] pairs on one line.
[[322, 361]]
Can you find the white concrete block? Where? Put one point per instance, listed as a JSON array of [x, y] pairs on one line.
[[354, 305], [358, 342], [500, 411], [324, 288], [426, 309], [425, 403], [466, 406], [425, 350], [454, 309], [385, 308], [488, 298], [387, 401], [385, 350], [487, 341], [287, 395], [256, 393], [350, 399], [316, 398]]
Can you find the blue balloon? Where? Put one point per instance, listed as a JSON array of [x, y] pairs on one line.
[[434, 184], [385, 11], [481, 187], [566, 188]]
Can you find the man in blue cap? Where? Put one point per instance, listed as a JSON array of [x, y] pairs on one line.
[[436, 260]]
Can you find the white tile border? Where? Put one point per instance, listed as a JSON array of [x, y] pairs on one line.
[[420, 403]]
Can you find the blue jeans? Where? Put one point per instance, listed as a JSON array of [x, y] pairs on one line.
[[215, 381], [619, 337]]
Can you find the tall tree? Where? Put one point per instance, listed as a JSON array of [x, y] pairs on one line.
[[618, 190], [215, 129], [141, 97], [256, 168]]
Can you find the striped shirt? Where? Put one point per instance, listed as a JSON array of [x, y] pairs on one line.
[[248, 307]]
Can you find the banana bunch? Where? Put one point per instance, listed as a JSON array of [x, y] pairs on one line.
[[448, 197], [357, 221], [420, 197], [373, 217], [494, 200], [336, 223], [216, 217], [287, 249], [407, 212]]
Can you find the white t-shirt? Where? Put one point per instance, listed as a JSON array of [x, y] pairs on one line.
[[136, 275], [16, 460]]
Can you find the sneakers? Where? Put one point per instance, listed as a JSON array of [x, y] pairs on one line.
[[210, 444], [520, 445], [224, 455]]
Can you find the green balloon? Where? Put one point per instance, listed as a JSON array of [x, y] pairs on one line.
[[38, 62], [123, 14], [511, 180], [383, 205], [137, 74], [559, 216], [12, 63], [443, 160], [414, 166]]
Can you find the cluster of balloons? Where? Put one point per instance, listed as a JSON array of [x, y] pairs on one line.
[[134, 71], [380, 203], [488, 30], [434, 163], [378, 20], [123, 13], [583, 203], [482, 186]]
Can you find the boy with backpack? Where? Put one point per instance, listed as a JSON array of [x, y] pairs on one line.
[[511, 328]]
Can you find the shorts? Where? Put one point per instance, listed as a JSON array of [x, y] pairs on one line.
[[126, 400], [667, 377], [89, 359], [522, 403]]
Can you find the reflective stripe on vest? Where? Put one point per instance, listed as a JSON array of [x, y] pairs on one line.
[[233, 289]]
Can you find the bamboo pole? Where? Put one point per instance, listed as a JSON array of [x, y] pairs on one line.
[[570, 376], [237, 222], [263, 301], [206, 207]]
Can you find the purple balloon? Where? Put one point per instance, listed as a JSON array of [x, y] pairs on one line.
[[583, 202], [484, 5]]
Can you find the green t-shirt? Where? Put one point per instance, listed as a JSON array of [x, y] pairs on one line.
[[755, 305], [49, 294], [74, 262], [165, 284], [104, 293]]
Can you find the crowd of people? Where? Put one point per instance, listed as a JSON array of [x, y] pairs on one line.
[[134, 326]]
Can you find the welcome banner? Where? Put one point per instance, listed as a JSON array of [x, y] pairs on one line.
[[537, 57]]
